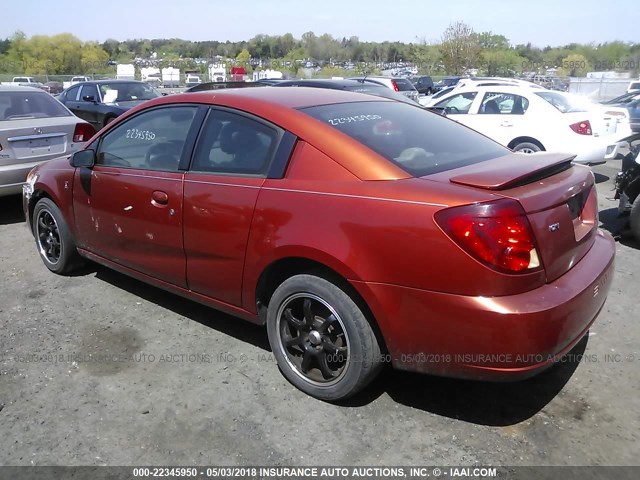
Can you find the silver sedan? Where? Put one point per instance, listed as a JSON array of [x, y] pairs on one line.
[[34, 128]]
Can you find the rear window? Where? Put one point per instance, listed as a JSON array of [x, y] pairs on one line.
[[418, 141], [565, 103], [635, 86], [21, 105]]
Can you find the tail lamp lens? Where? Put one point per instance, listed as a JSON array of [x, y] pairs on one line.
[[83, 132], [498, 234], [582, 128]]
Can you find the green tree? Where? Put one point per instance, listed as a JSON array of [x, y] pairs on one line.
[[574, 65], [460, 49]]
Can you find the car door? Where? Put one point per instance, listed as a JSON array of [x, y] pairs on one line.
[[230, 163], [70, 99], [502, 117], [129, 207], [88, 104]]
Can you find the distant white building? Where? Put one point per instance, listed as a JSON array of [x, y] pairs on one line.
[[267, 74]]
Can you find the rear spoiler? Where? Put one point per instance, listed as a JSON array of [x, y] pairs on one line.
[[513, 170]]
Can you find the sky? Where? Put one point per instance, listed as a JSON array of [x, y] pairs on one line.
[[541, 22]]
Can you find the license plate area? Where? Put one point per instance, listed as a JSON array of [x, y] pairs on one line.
[[583, 209]]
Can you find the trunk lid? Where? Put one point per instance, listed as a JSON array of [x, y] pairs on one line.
[[559, 199], [33, 139]]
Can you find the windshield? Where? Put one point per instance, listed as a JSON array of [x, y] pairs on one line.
[[418, 141], [22, 105], [566, 103], [127, 92]]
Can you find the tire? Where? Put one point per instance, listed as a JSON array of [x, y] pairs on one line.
[[320, 338], [634, 219], [107, 121], [54, 241], [527, 147]]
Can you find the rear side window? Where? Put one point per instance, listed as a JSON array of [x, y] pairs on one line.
[[24, 105], [419, 142], [565, 103]]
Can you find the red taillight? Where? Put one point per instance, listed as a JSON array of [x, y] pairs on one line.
[[582, 128], [395, 85], [497, 234], [83, 132]]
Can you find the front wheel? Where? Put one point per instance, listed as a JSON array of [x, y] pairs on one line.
[[320, 338], [53, 238]]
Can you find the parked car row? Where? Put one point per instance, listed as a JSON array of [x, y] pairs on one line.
[[530, 120]]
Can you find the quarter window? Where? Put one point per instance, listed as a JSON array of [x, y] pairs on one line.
[[72, 94], [234, 144], [152, 140]]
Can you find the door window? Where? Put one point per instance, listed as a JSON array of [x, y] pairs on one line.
[[234, 144], [458, 104], [495, 103], [152, 140], [89, 91]]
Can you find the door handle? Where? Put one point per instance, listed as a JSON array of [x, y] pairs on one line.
[[506, 123], [159, 198]]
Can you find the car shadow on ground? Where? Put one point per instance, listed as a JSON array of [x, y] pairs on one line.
[[600, 178], [11, 210], [209, 317], [484, 403]]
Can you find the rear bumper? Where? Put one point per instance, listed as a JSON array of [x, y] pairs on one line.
[[12, 177], [492, 338]]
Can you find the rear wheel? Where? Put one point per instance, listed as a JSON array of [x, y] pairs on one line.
[[527, 147], [634, 218], [320, 338], [107, 121], [53, 238]]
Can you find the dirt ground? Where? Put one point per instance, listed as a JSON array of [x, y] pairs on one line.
[[201, 388]]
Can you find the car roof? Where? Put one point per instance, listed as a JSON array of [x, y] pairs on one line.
[[300, 97], [329, 83], [19, 88], [378, 77], [107, 80]]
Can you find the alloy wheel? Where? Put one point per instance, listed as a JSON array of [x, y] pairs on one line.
[[313, 339]]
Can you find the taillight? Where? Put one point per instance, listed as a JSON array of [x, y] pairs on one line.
[[83, 132], [582, 128], [395, 85], [497, 233]]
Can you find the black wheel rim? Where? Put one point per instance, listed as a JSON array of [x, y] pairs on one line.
[[313, 339], [48, 237]]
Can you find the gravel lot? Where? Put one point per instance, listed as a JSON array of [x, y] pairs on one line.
[[202, 388]]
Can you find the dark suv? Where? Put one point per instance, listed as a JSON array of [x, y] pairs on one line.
[[423, 84], [446, 82]]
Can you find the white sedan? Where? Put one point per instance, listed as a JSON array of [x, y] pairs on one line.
[[530, 120]]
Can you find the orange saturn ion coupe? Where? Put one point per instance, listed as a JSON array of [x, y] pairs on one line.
[[360, 230]]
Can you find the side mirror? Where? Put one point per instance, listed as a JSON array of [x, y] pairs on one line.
[[83, 158], [89, 98]]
